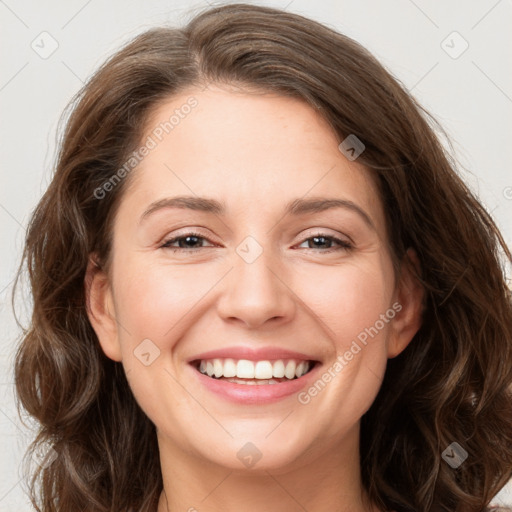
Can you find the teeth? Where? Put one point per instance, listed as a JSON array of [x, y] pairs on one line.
[[244, 369], [217, 368], [289, 371], [229, 368], [253, 382], [300, 369], [278, 369], [261, 371]]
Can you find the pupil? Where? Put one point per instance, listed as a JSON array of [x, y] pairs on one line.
[[316, 238], [187, 240]]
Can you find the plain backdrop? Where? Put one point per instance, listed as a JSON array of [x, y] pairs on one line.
[[454, 57]]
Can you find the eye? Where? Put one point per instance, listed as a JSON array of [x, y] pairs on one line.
[[320, 239], [186, 242], [191, 242]]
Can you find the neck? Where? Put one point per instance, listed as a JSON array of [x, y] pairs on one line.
[[327, 479]]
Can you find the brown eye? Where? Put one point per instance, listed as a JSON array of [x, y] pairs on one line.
[[189, 242], [319, 241]]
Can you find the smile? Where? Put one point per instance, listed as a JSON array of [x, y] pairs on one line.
[[244, 371]]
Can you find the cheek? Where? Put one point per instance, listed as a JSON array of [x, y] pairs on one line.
[[152, 304], [349, 307], [349, 299], [156, 297]]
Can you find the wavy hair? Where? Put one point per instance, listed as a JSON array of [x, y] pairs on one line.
[[453, 381]]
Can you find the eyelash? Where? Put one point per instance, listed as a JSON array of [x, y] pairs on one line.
[[343, 245]]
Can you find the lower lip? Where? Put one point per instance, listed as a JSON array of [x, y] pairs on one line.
[[256, 393]]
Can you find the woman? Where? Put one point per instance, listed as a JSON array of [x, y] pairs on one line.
[[259, 284]]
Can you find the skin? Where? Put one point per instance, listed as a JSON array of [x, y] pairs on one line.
[[255, 152]]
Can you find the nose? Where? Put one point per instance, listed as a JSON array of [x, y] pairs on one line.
[[256, 292]]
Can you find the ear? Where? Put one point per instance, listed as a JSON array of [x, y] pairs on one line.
[[100, 309], [409, 296]]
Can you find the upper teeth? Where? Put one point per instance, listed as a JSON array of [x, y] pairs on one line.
[[245, 369]]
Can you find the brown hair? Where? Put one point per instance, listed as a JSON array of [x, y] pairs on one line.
[[453, 381]]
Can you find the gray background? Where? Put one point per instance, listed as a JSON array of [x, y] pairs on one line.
[[468, 91]]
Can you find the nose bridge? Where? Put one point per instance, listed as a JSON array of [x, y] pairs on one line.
[[255, 291]]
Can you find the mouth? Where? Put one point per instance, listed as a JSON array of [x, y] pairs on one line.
[[248, 372]]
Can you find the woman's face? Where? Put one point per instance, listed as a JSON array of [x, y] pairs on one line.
[[269, 274]]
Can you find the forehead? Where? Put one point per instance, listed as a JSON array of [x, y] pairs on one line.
[[247, 149]]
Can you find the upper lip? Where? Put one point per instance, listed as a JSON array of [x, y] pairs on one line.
[[251, 354]]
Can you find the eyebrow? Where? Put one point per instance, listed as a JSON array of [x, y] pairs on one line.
[[296, 207]]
